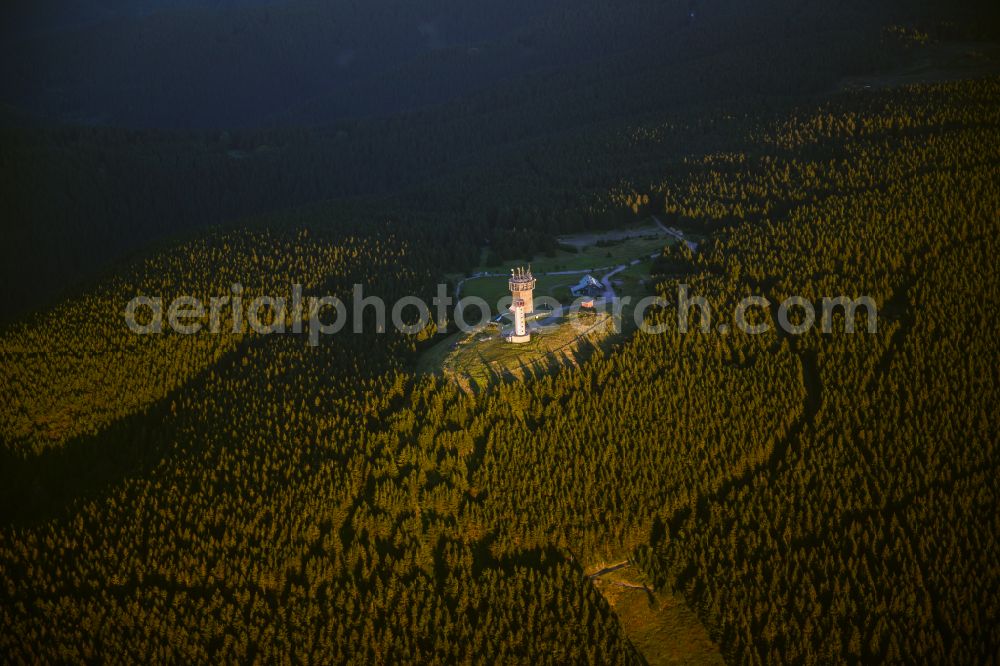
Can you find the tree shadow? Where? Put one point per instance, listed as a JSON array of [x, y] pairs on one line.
[[37, 488]]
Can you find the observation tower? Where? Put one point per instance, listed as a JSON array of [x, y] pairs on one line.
[[522, 285]]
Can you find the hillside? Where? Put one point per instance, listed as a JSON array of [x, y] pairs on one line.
[[147, 125], [208, 65], [240, 419], [822, 497]]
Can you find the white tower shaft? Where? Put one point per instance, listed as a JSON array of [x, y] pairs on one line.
[[520, 329]]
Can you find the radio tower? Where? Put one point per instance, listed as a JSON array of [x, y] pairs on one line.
[[522, 284]]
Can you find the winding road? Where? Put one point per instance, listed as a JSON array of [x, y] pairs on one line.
[[609, 292]]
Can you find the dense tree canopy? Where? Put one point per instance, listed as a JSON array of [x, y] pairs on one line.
[[823, 497]]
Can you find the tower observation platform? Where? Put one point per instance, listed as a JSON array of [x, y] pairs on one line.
[[522, 285]]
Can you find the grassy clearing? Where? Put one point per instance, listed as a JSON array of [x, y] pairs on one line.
[[935, 62], [591, 257], [492, 289], [632, 283], [477, 360], [432, 360], [647, 228], [634, 274], [660, 625]]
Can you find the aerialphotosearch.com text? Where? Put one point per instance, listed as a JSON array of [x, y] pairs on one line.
[[319, 316]]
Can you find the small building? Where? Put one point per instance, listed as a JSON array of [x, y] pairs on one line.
[[588, 286]]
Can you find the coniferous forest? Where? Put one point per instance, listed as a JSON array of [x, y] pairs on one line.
[[813, 495]]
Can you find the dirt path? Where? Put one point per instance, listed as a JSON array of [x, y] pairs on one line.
[[624, 564]]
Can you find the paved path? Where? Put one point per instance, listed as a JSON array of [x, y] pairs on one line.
[[679, 235], [608, 296], [609, 292]]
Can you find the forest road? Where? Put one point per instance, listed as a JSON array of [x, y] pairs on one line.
[[679, 235]]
